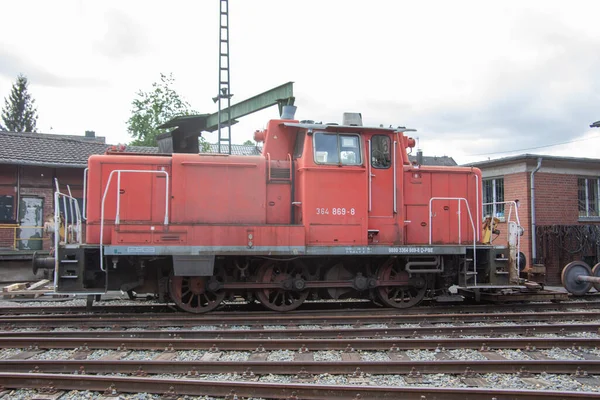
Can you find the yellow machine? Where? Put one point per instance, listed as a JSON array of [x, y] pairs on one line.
[[489, 227]]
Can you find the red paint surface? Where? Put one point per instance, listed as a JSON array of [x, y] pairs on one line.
[[218, 200]]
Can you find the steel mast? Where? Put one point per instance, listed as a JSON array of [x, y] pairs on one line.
[[224, 76]]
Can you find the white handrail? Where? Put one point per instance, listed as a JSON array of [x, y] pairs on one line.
[[57, 195], [477, 202], [460, 200], [85, 171], [117, 221], [395, 188], [369, 172], [508, 221]]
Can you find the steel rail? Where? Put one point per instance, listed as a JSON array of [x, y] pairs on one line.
[[302, 344], [117, 384], [248, 368], [486, 330], [306, 308], [187, 319]]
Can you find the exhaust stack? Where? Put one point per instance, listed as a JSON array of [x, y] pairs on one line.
[[288, 112]]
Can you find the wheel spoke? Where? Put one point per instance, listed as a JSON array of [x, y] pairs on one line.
[[191, 294], [404, 296], [280, 299]]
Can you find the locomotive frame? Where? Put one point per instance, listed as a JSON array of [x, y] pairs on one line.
[[327, 211]]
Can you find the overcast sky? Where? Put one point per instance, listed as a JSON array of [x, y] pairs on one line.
[[475, 78]]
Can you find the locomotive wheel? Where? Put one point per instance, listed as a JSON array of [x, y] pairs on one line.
[[596, 272], [569, 278], [407, 295], [193, 293], [282, 299]]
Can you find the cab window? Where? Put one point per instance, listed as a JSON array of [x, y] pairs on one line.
[[381, 156], [334, 148], [299, 145]]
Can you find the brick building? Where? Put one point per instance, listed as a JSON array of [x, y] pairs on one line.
[[565, 223], [29, 162]]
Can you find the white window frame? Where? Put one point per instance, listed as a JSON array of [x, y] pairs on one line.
[[495, 207], [587, 215]]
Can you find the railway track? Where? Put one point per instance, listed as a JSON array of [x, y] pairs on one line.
[[307, 354], [325, 332], [171, 388], [105, 307], [300, 369], [301, 344], [249, 319]]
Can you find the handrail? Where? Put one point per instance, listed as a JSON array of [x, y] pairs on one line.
[[460, 200], [85, 172], [73, 213], [477, 202], [508, 221], [394, 167], [369, 172], [268, 167], [289, 158], [57, 195], [117, 220]]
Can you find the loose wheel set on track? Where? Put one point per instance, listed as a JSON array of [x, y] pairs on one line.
[[578, 278], [288, 281]]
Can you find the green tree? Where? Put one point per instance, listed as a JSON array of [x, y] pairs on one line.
[[153, 108], [19, 113], [248, 143]]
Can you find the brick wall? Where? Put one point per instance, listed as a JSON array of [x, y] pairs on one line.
[[37, 182], [556, 203], [516, 188], [556, 199]]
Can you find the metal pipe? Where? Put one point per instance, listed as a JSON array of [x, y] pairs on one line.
[[435, 263], [477, 208], [369, 171], [533, 249], [395, 189], [18, 194], [85, 171], [56, 238]]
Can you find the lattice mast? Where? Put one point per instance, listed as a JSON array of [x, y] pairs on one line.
[[224, 78]]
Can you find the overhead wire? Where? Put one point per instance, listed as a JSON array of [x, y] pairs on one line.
[[533, 148]]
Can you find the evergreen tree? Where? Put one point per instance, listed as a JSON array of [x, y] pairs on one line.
[[19, 113]]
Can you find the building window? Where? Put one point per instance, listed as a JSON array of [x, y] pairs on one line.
[[589, 197], [493, 193], [7, 205], [337, 149], [380, 151]]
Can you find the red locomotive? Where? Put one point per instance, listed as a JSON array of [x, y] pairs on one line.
[[327, 211]]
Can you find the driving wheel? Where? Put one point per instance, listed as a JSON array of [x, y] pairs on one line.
[[196, 294], [408, 291], [291, 277]]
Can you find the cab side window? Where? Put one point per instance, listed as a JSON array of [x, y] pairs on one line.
[[299, 145], [381, 156], [333, 148]]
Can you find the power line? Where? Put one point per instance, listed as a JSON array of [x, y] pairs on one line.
[[532, 148]]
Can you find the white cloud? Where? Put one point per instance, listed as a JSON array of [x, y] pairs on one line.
[[471, 76]]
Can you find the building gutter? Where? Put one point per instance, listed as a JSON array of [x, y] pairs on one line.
[[533, 238]]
